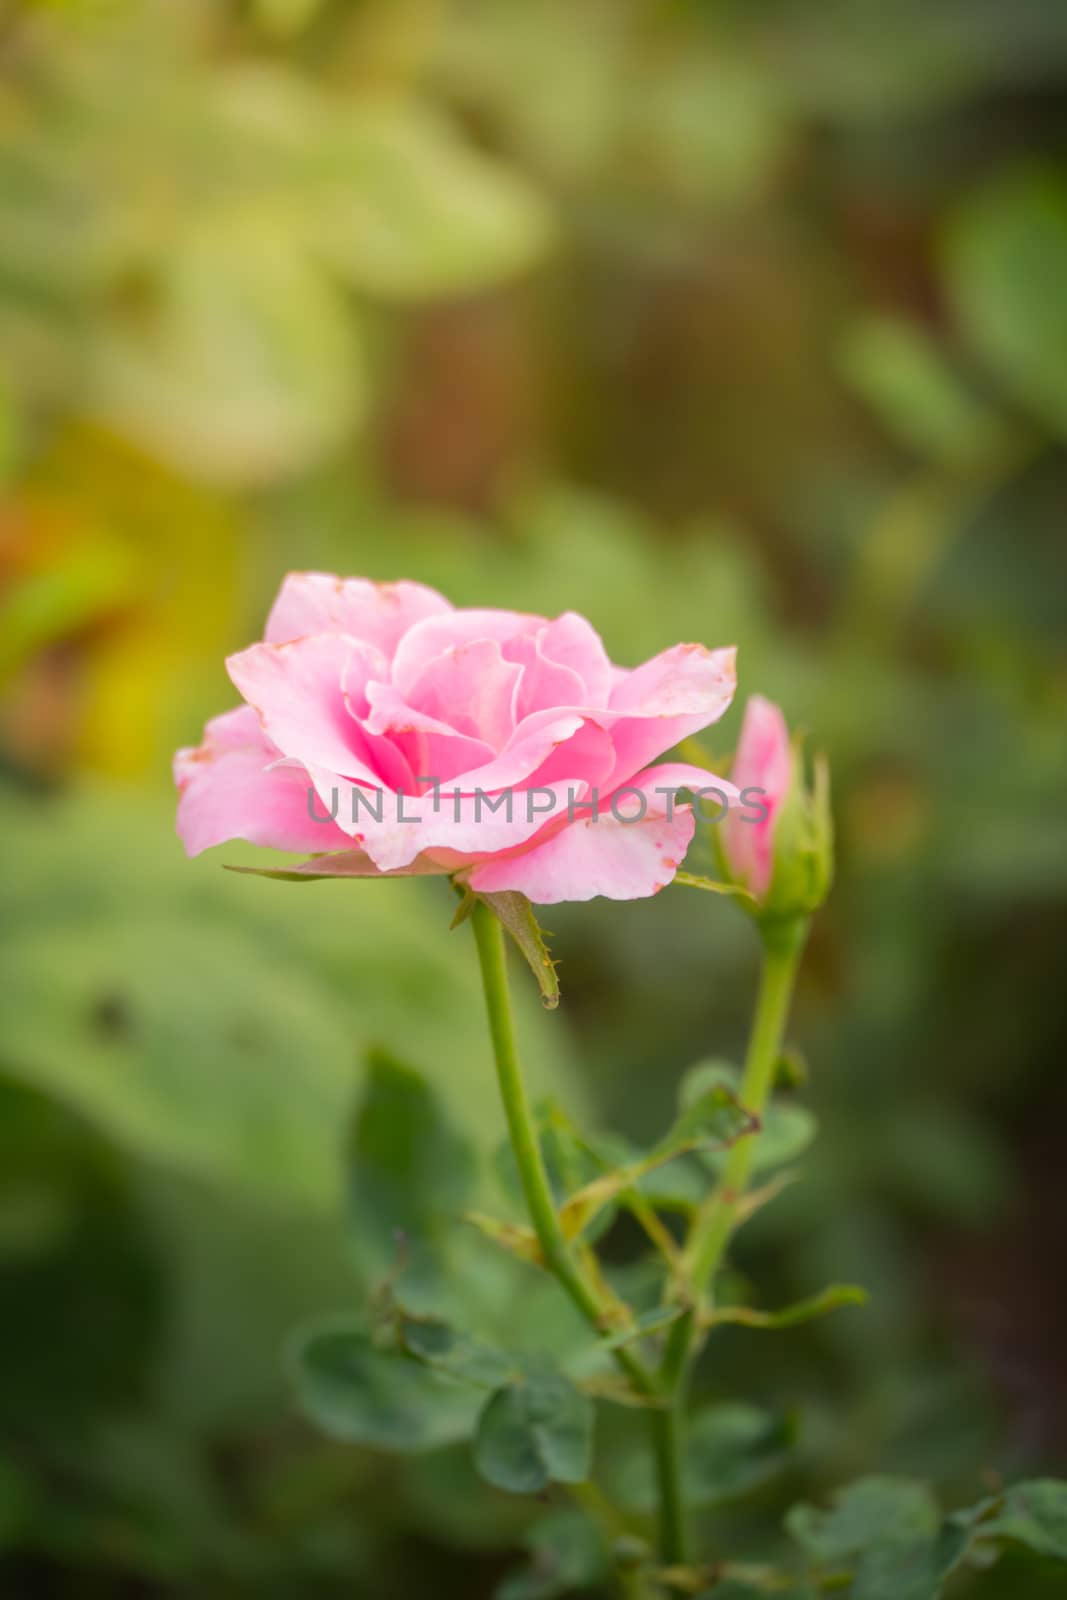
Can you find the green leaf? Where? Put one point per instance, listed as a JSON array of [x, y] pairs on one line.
[[891, 1532], [906, 379], [648, 1323], [516, 914], [1033, 1514], [710, 1121], [817, 1305], [786, 1128], [735, 1589], [356, 1391], [566, 1552], [713, 1120], [436, 1344], [235, 361], [400, 206], [335, 864], [107, 933], [1006, 264], [735, 1448], [732, 1449], [515, 1237], [534, 1433], [860, 1514], [410, 1172], [693, 880]]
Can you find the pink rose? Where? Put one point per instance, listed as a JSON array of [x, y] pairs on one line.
[[764, 762], [538, 746]]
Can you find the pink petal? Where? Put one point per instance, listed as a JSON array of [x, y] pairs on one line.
[[430, 638], [472, 689], [542, 682], [466, 825], [432, 748], [764, 760], [297, 688], [667, 699], [616, 859], [571, 642], [377, 613], [230, 788]]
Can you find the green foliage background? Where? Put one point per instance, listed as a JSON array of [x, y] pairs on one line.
[[737, 322]]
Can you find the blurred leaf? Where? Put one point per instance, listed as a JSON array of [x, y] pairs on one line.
[[890, 1530], [56, 601], [732, 1449], [436, 1344], [863, 1513], [734, 1589], [1033, 1514], [410, 1173], [216, 1025], [786, 1128], [284, 18], [1006, 262], [907, 381], [817, 1305], [566, 1552], [233, 362], [403, 208], [649, 1322], [534, 1433], [712, 1121], [366, 1395]]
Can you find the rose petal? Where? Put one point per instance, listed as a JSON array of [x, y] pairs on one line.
[[764, 760], [377, 613], [471, 688], [297, 688], [430, 638], [669, 698], [230, 788], [621, 860]]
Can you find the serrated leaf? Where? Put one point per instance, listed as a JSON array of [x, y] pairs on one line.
[[516, 915], [534, 1433], [358, 1392], [817, 1305]]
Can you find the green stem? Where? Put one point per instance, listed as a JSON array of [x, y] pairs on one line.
[[667, 1439], [559, 1257], [783, 943]]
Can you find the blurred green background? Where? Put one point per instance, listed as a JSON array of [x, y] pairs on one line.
[[734, 320]]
